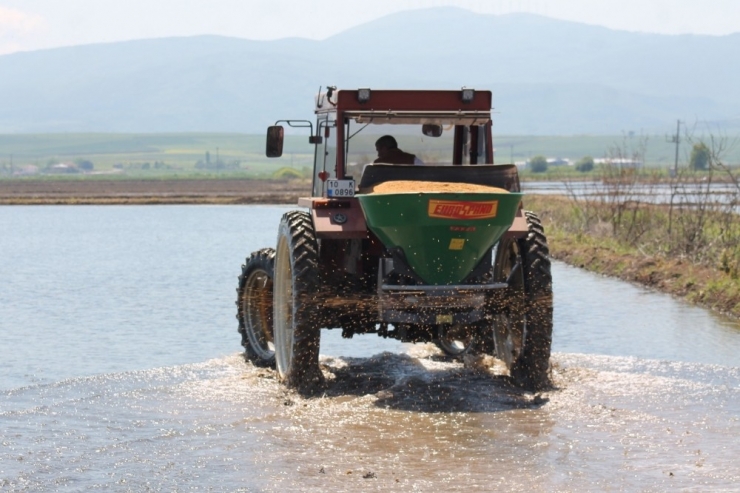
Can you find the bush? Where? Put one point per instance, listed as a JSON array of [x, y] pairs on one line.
[[585, 164], [287, 174], [84, 164], [699, 157], [538, 164]]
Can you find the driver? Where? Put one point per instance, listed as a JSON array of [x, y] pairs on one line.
[[389, 153]]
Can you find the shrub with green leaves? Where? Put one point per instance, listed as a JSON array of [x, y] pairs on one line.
[[585, 164], [538, 164]]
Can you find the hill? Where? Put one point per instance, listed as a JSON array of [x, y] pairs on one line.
[[548, 76]]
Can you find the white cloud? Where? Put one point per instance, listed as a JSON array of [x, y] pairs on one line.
[[15, 21], [17, 29]]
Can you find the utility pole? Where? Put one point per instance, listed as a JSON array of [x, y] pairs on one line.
[[677, 140]]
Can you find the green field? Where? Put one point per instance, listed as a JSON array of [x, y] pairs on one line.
[[149, 154], [204, 154]]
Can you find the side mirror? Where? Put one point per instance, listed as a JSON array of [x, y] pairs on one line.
[[274, 141], [431, 130]]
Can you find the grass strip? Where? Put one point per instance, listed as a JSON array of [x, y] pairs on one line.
[[701, 284]]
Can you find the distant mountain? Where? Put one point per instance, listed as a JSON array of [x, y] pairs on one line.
[[548, 76]]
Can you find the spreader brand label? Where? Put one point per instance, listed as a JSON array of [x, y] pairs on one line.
[[456, 209]]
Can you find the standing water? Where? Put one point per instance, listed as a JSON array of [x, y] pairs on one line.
[[121, 372]]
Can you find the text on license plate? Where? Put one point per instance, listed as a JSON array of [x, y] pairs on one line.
[[340, 188]]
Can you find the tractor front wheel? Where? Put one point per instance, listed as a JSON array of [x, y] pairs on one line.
[[295, 315]]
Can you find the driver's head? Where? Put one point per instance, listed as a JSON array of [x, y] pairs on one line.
[[384, 144]]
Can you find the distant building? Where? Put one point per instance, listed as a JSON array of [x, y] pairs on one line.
[[61, 168], [619, 162], [25, 170], [558, 161], [551, 161]]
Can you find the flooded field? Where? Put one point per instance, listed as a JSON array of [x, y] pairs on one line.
[[122, 372], [392, 422]]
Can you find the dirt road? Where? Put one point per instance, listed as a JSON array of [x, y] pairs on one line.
[[178, 191]]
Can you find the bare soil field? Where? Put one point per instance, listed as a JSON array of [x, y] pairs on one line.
[[181, 191]]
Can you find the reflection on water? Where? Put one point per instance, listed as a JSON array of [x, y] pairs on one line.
[[595, 314]]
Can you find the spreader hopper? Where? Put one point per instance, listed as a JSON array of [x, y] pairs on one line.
[[443, 235]]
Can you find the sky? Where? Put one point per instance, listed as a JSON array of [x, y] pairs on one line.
[[27, 25]]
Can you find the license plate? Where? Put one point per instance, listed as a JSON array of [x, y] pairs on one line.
[[340, 188]]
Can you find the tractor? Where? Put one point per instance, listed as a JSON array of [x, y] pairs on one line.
[[441, 252]]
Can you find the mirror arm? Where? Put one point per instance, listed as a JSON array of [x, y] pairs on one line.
[[312, 139], [297, 124]]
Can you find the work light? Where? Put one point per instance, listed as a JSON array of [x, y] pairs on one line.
[[363, 95]]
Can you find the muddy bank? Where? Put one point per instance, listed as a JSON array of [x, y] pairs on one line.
[[120, 191], [704, 285], [697, 284]]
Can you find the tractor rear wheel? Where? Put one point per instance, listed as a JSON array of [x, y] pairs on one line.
[[254, 307], [295, 315], [523, 332]]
